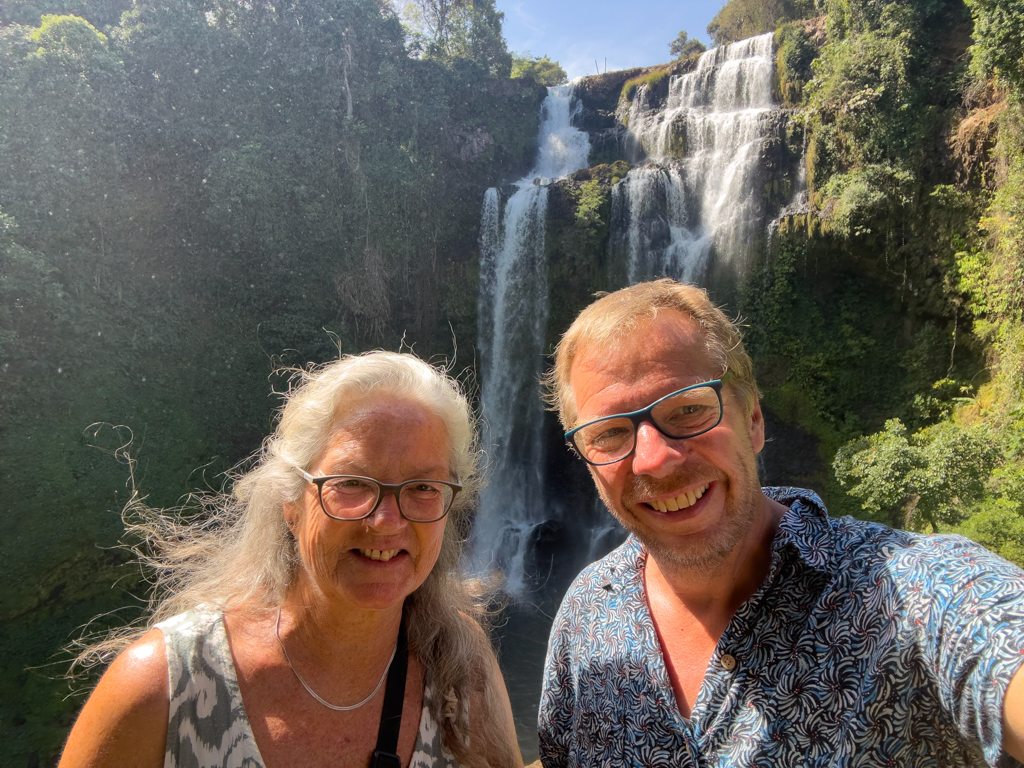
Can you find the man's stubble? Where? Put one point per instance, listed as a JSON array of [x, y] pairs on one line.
[[701, 551]]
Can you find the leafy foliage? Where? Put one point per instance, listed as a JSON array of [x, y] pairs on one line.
[[999, 39], [884, 88], [59, 162], [540, 69], [740, 19], [794, 55], [100, 13], [684, 46], [460, 29], [931, 479]]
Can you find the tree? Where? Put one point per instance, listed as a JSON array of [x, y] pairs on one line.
[[99, 13], [931, 479], [59, 160], [459, 29], [684, 46], [740, 19], [999, 38], [540, 69]]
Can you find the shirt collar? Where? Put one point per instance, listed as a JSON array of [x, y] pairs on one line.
[[804, 526]]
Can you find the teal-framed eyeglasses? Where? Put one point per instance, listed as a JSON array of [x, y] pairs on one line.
[[687, 412], [354, 497]]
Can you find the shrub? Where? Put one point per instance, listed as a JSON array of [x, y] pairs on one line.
[[650, 79]]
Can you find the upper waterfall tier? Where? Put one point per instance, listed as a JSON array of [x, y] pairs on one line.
[[563, 147], [715, 106], [699, 200]]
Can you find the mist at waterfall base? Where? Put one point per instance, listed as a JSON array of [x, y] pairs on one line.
[[694, 207]]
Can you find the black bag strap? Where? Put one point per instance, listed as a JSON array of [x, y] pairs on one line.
[[386, 754]]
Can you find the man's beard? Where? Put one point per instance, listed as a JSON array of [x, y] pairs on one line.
[[703, 550]]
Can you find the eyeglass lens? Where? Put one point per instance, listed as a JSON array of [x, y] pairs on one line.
[[351, 498], [685, 414]]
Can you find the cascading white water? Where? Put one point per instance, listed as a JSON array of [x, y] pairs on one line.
[[699, 190], [513, 313]]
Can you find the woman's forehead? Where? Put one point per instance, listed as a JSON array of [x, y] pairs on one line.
[[365, 413], [388, 432]]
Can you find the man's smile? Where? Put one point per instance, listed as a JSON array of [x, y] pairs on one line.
[[682, 501]]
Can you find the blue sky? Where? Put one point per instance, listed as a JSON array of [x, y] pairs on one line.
[[628, 34]]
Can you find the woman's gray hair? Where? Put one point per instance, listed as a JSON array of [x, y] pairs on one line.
[[237, 549]]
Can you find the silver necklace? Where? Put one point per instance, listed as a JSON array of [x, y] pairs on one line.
[[310, 691]]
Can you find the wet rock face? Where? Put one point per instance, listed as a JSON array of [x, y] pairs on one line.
[[600, 98], [470, 143]]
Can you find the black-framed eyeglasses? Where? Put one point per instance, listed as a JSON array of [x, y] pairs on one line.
[[353, 497], [687, 412]]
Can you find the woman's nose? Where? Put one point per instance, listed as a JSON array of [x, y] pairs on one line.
[[388, 515]]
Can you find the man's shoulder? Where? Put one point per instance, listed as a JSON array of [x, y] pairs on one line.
[[849, 546]]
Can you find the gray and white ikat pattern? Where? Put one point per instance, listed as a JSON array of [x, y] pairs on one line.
[[207, 725]]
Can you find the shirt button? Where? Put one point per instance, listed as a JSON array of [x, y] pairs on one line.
[[729, 662]]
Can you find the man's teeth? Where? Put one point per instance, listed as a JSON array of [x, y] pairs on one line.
[[379, 554], [682, 501]]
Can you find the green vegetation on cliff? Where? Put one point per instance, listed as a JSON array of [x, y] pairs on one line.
[[740, 19], [888, 319]]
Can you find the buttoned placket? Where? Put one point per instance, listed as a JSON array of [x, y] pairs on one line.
[[724, 666]]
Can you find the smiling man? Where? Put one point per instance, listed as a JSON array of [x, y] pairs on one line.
[[740, 625]]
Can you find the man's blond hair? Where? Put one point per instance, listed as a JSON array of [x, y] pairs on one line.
[[616, 315]]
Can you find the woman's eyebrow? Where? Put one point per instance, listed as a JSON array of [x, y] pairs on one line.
[[432, 472]]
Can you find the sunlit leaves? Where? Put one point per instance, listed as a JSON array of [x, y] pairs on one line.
[[59, 159], [930, 479], [540, 69], [999, 39]]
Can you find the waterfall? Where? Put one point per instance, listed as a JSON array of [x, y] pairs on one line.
[[699, 195], [513, 313]]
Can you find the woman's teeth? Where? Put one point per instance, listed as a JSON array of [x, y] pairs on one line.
[[378, 554], [682, 501]]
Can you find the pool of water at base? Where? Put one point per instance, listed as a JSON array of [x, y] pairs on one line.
[[522, 637]]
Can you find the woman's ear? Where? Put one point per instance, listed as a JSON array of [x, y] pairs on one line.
[[291, 514]]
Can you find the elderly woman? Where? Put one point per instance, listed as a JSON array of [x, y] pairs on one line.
[[319, 617]]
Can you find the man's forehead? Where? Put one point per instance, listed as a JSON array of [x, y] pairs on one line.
[[671, 338], [648, 362]]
